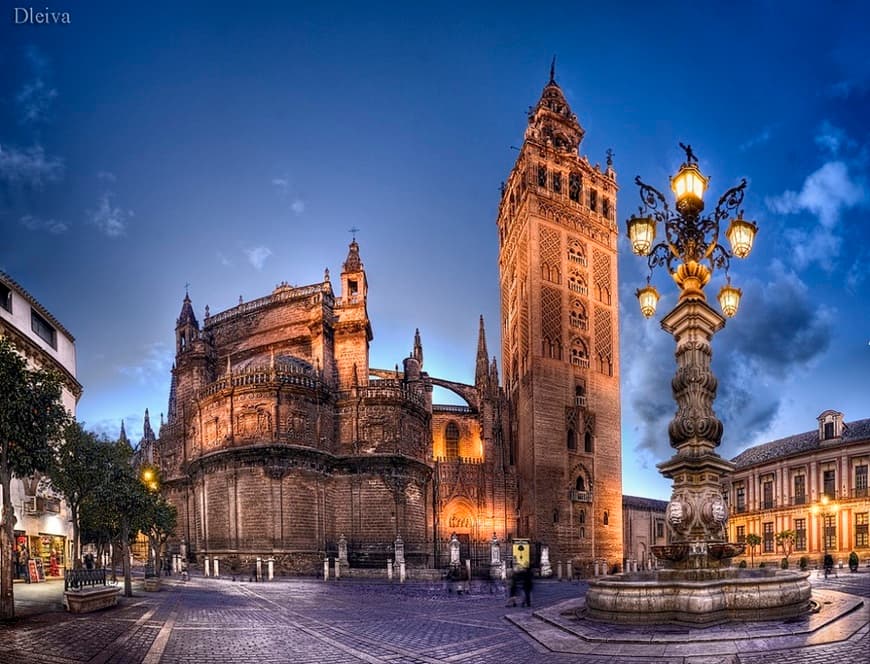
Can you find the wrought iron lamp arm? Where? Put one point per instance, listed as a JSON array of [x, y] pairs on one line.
[[730, 202]]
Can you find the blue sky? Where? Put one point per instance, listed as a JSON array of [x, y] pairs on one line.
[[231, 147]]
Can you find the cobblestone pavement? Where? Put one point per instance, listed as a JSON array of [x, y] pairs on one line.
[[212, 621]]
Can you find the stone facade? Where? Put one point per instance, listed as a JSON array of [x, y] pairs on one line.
[[643, 527], [280, 437], [779, 486], [560, 337]]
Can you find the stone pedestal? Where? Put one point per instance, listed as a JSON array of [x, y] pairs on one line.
[[270, 568], [206, 569], [546, 568], [326, 569]]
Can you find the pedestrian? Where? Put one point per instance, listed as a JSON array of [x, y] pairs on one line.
[[829, 564], [512, 598], [527, 587]]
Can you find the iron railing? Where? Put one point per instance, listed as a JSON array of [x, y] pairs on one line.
[[76, 579]]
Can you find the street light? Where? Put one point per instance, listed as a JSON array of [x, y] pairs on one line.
[[691, 251], [822, 509], [691, 248], [150, 478]]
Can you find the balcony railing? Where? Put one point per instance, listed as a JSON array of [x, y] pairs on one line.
[[580, 496], [799, 500]]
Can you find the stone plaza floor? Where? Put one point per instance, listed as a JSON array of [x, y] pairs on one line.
[[218, 621]]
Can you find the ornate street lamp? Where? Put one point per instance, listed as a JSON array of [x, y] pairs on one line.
[[691, 251]]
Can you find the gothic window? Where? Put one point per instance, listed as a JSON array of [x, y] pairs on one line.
[[542, 176], [605, 207], [582, 516], [574, 187], [579, 354], [451, 438], [551, 348], [557, 182], [593, 200], [577, 284], [556, 515], [587, 442], [572, 440], [582, 532], [580, 485], [577, 316], [606, 519], [576, 256], [550, 273], [580, 396]]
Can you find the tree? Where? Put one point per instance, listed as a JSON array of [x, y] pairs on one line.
[[161, 518], [785, 539], [32, 417], [76, 473], [753, 541]]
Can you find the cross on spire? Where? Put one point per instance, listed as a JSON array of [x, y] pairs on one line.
[[553, 70], [353, 230]]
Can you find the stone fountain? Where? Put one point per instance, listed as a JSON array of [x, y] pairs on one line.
[[698, 585]]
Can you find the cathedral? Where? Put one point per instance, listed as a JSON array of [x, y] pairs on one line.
[[281, 441]]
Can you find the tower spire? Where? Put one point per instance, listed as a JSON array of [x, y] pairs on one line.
[[417, 354], [553, 70], [481, 369]]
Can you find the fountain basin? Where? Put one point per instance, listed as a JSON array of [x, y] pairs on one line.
[[698, 596]]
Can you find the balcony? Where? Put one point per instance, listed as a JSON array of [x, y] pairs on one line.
[[579, 496], [799, 500]]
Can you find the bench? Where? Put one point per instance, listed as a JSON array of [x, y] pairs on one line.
[[87, 590]]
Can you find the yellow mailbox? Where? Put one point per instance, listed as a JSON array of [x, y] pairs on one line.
[[522, 553]]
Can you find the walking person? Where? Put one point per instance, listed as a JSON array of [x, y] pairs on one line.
[[512, 598], [527, 587]]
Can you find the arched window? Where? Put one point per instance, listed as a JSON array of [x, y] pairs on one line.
[[572, 440], [577, 315], [577, 285], [556, 515], [606, 519], [579, 354], [580, 485], [582, 532], [451, 438], [587, 442], [582, 516]]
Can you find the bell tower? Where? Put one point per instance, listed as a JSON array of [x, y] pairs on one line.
[[560, 337]]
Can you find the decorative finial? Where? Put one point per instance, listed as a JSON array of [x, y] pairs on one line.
[[240, 299], [609, 154], [353, 230], [690, 156], [207, 311], [553, 70], [187, 289], [326, 275]]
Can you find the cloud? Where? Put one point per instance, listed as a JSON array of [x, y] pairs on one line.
[[110, 220], [106, 176], [759, 139], [36, 96], [226, 262], [281, 184], [298, 206], [30, 166], [257, 256], [154, 368], [49, 225], [825, 193], [779, 332]]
